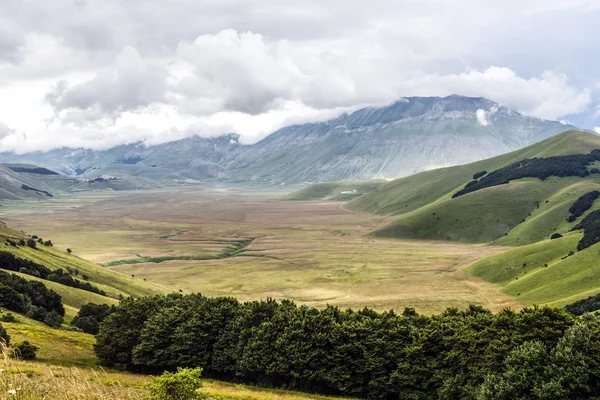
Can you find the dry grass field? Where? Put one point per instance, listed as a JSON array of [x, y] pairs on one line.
[[313, 252]]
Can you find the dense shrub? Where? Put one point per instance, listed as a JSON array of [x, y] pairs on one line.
[[90, 316], [542, 168], [8, 317], [363, 354], [25, 350], [180, 385], [556, 236], [10, 262]]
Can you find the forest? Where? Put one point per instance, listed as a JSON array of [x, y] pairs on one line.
[[542, 168], [535, 353]]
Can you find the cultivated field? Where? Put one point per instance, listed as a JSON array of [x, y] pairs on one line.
[[252, 245]]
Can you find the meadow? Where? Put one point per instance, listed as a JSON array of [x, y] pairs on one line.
[[251, 244]]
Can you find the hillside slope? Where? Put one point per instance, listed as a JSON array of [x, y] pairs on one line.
[[113, 283], [410, 193]]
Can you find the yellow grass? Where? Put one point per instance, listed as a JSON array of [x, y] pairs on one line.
[[313, 252]]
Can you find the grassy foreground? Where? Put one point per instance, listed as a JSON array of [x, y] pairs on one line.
[[66, 369]]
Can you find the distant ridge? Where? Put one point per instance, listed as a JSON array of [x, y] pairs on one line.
[[408, 136]]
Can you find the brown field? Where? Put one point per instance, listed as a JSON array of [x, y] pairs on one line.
[[316, 253]]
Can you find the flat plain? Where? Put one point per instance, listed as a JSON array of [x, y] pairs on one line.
[[251, 244]]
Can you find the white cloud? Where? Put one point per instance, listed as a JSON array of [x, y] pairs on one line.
[[597, 129], [131, 84], [115, 74], [481, 118]]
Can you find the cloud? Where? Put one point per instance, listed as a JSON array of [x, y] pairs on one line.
[[99, 73], [597, 129], [129, 85], [5, 131]]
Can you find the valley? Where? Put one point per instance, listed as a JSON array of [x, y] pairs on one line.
[[315, 253]]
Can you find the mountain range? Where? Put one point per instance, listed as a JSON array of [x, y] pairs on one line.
[[411, 135]]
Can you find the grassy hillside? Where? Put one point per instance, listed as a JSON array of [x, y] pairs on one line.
[[523, 211], [543, 272], [335, 191], [113, 283], [408, 194]]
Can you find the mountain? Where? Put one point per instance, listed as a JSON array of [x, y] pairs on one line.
[[550, 182], [411, 135], [192, 158], [27, 181]]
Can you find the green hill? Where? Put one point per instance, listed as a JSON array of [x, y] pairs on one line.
[[543, 272], [113, 283], [410, 193], [523, 211], [335, 191]]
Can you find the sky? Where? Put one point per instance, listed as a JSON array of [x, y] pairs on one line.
[[98, 73]]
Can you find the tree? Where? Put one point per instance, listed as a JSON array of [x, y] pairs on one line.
[[31, 243], [533, 372], [180, 385], [90, 316], [69, 251]]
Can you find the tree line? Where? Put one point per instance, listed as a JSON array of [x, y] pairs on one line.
[[9, 261], [591, 230], [582, 204], [31, 298], [535, 353], [542, 168]]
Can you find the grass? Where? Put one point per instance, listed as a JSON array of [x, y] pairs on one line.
[[551, 215], [236, 248], [543, 272], [34, 380], [315, 253], [408, 194], [479, 217], [335, 191], [65, 368]]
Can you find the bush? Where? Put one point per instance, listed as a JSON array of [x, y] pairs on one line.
[[8, 317], [4, 337], [25, 350], [31, 243], [181, 385], [556, 236]]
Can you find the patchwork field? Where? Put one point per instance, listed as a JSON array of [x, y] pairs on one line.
[[252, 245]]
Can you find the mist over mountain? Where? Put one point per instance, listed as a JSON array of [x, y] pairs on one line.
[[411, 135]]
